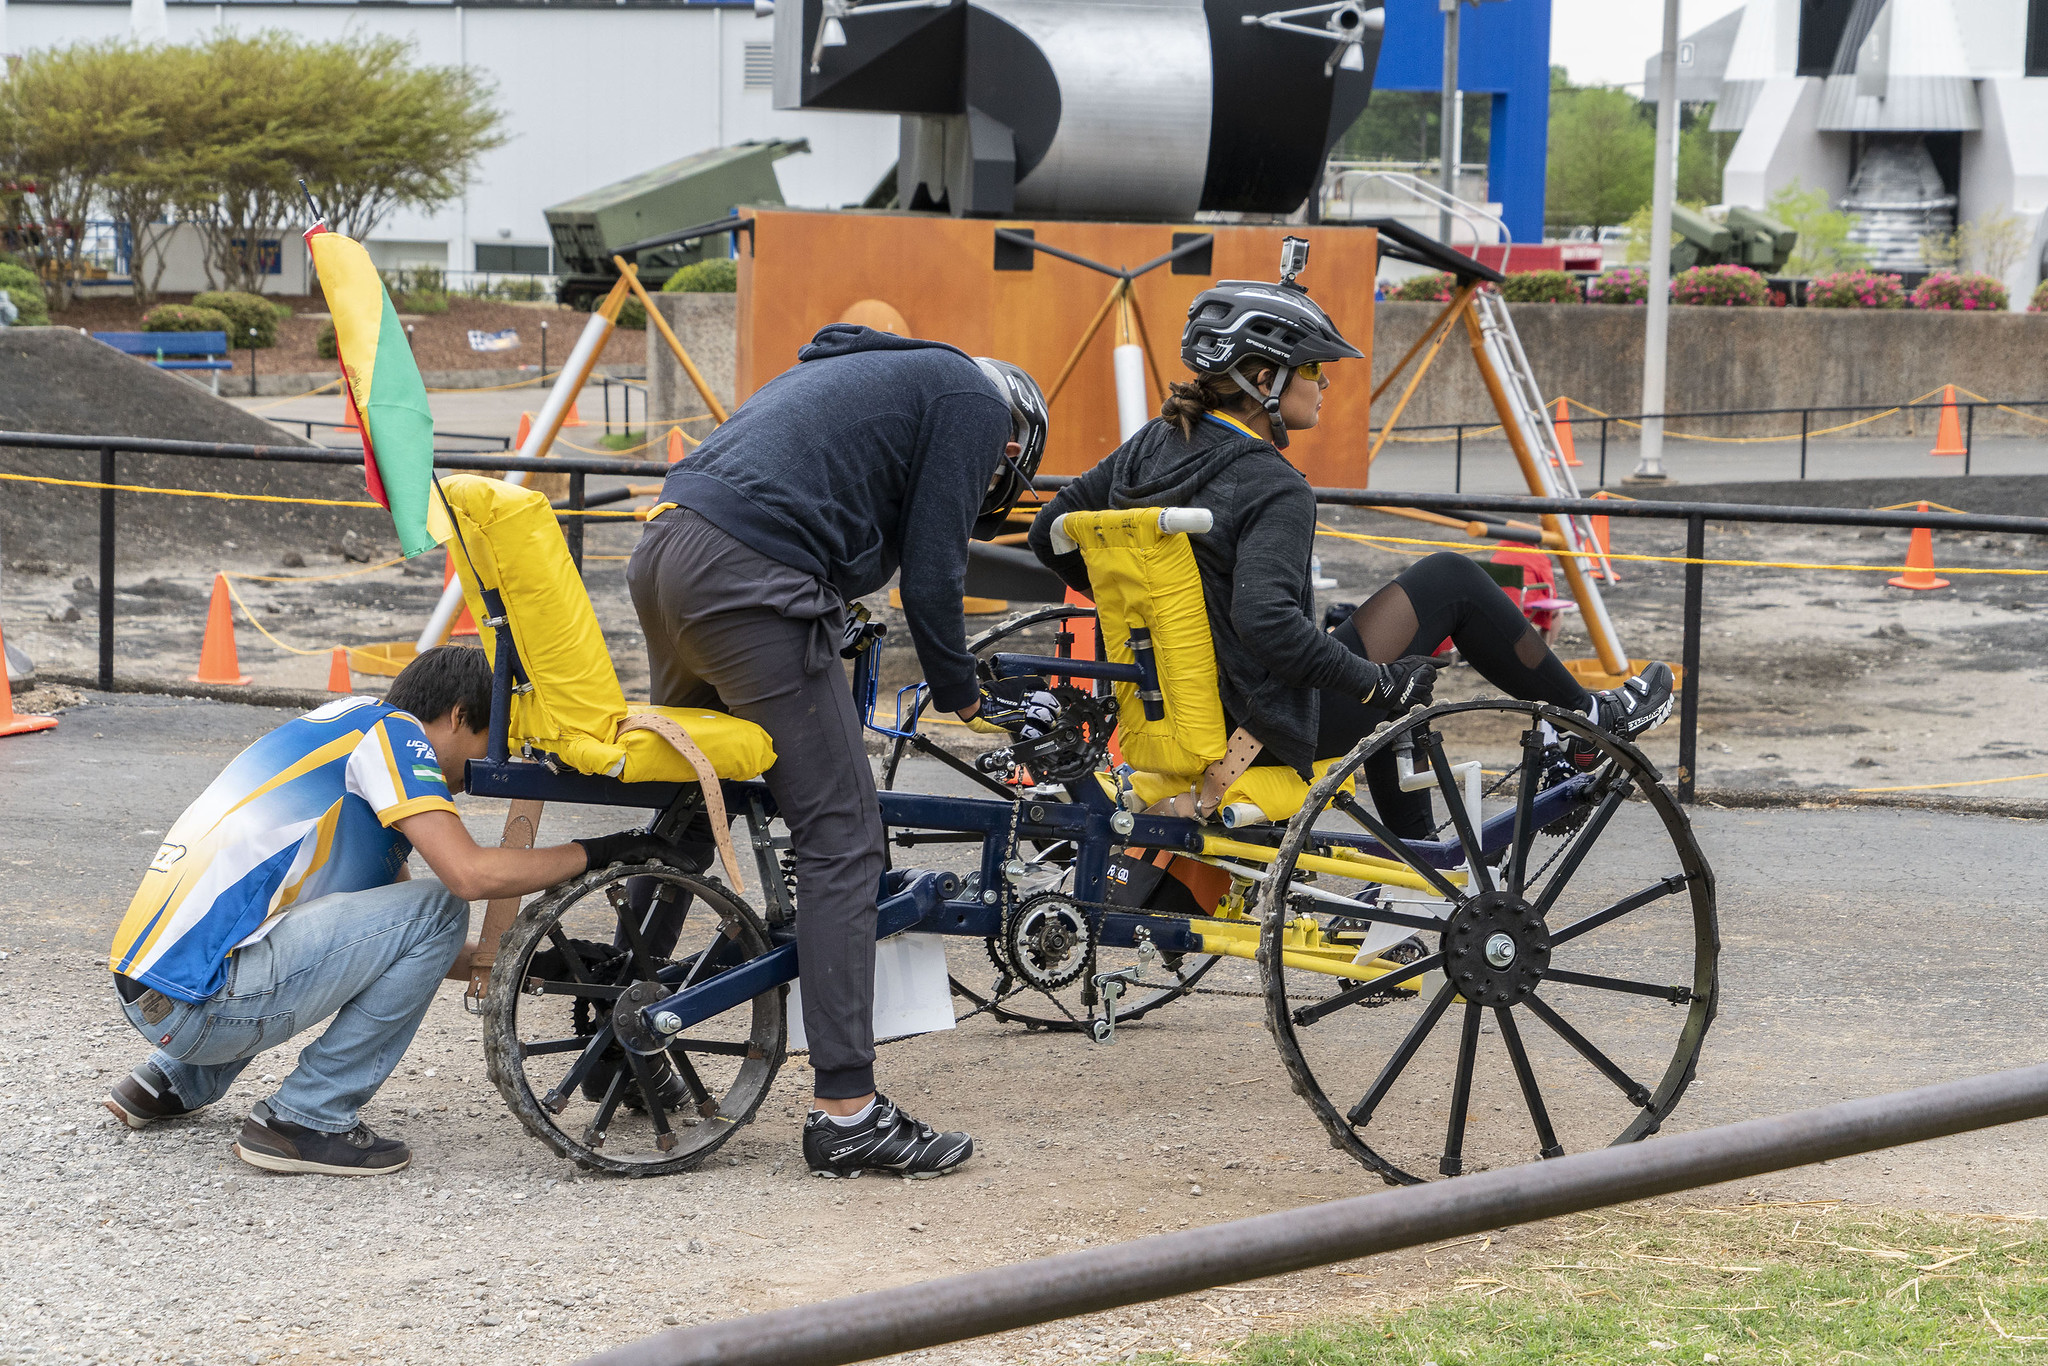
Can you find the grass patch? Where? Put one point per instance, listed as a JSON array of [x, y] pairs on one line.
[[1816, 1285], [620, 441]]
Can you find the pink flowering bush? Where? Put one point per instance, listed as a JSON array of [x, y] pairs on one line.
[[1965, 291], [1856, 289], [2040, 302], [1426, 289], [1720, 287], [1622, 285]]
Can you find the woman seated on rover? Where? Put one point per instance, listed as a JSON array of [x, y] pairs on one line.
[[1260, 355]]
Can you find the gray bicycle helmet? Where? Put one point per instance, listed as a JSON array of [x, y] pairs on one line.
[[1029, 423], [1242, 323]]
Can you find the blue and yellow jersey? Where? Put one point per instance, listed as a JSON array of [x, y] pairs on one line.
[[305, 811]]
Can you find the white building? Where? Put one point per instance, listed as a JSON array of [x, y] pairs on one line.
[[1917, 115], [590, 93]]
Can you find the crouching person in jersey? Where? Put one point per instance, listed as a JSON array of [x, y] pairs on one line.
[[281, 900]]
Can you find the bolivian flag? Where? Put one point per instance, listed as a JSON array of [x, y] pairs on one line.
[[386, 395]]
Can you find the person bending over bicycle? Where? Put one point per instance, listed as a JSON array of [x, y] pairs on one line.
[[1261, 354], [874, 454]]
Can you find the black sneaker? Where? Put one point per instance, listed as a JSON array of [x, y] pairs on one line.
[[277, 1145], [887, 1140], [1637, 705], [143, 1097]]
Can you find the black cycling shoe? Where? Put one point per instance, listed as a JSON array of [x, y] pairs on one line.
[[885, 1140], [1626, 712]]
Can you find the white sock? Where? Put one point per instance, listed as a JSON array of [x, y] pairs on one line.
[[848, 1121]]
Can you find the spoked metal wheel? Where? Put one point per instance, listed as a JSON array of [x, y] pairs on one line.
[[1566, 973], [548, 1036], [1040, 980]]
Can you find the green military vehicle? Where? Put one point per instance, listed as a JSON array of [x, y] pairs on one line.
[[701, 188]]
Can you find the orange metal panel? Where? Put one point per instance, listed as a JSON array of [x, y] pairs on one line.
[[807, 268]]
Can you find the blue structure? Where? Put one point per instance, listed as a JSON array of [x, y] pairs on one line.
[[1503, 51]]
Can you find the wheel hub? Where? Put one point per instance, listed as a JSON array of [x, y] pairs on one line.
[[1496, 950], [1049, 941]]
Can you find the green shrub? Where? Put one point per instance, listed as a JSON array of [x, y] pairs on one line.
[[423, 301], [323, 343], [244, 312], [2040, 300], [1426, 289], [1856, 289], [1541, 287], [1964, 291], [1720, 287], [1622, 285], [186, 318], [633, 317], [26, 291], [719, 275]]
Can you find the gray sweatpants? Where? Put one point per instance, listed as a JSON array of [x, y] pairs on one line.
[[731, 629]]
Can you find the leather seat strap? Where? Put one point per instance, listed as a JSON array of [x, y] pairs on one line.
[[1217, 778], [707, 778]]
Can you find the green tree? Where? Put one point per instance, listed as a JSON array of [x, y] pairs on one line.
[[1823, 230], [1601, 147], [1401, 125], [1702, 156]]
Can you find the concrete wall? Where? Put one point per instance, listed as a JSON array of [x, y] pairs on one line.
[[1738, 358], [706, 325]]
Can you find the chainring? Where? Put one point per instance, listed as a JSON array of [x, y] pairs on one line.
[[1048, 940]]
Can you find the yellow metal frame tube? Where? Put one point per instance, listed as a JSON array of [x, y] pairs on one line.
[[1360, 867]]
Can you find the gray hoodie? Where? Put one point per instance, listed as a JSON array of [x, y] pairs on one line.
[[1271, 657]]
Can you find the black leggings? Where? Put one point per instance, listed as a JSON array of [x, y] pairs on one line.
[[1442, 596]]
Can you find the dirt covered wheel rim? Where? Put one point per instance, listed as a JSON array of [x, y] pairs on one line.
[[549, 1046], [1508, 896]]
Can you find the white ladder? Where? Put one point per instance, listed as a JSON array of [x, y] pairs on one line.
[[1532, 417]]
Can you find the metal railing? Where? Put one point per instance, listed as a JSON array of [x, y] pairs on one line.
[[1696, 516], [1966, 407], [931, 1313]]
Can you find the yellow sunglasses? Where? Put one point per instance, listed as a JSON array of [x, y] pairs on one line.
[[1312, 372]]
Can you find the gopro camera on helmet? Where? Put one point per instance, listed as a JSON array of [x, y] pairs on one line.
[[1293, 260]]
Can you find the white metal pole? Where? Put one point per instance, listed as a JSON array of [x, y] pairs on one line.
[[1447, 129], [1657, 319]]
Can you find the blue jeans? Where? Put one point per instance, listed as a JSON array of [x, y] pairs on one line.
[[371, 959]]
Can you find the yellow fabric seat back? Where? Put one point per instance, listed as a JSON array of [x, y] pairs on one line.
[[510, 541], [1147, 579]]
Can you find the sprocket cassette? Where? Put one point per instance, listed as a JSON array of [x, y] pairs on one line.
[[1049, 941]]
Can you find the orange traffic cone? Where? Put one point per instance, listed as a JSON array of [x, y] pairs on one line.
[[574, 418], [1562, 425], [355, 422], [10, 723], [1600, 535], [525, 430], [338, 677], [1919, 561], [676, 450], [1948, 437], [465, 624], [217, 662]]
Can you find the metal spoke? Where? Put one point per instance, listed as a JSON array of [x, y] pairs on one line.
[[1447, 783], [1398, 848], [1378, 986], [687, 1070], [1361, 1113], [593, 1135], [1635, 901], [1525, 801], [1532, 1095], [635, 940], [571, 1044], [1676, 995], [1453, 1163], [1576, 853], [571, 959], [643, 1076], [1636, 1092]]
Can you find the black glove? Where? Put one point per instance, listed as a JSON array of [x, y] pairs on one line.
[[1026, 716], [1406, 683], [861, 631], [628, 846]]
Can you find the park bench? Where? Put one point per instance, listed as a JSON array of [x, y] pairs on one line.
[[159, 347]]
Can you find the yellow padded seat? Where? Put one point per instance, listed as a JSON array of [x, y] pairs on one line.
[[1275, 789], [1145, 578], [509, 540]]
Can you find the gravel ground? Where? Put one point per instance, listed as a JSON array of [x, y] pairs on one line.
[[161, 1246]]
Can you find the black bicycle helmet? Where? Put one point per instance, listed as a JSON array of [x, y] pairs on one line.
[[1241, 323], [1029, 423]]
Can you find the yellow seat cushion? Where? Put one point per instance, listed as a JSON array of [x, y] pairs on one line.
[[1274, 789], [509, 540]]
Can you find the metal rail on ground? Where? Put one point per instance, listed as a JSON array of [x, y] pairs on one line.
[[579, 468], [930, 1313]]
